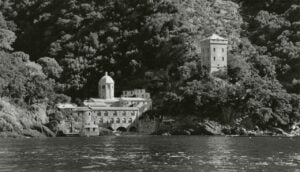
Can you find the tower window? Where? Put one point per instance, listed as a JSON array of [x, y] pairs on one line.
[[214, 58]]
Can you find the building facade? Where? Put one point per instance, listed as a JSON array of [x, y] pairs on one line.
[[214, 53], [115, 113]]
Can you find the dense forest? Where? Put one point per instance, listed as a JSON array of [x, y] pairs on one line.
[[56, 51]]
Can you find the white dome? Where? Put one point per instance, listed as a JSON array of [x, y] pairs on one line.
[[106, 79]]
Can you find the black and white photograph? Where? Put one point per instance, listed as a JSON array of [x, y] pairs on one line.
[[150, 85]]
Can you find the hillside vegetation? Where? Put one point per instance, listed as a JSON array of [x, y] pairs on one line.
[[154, 44]]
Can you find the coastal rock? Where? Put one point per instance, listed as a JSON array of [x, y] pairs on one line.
[[210, 128], [105, 132], [281, 132]]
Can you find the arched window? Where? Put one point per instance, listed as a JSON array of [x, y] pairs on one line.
[[124, 120], [118, 120], [214, 58]]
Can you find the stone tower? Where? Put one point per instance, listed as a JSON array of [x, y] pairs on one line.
[[214, 53], [106, 87]]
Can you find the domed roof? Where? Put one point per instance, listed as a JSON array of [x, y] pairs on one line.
[[106, 79]]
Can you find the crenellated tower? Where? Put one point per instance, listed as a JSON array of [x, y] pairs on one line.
[[214, 53]]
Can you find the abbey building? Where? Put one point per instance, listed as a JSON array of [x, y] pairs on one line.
[[107, 111]]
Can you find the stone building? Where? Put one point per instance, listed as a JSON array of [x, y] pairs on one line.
[[214, 53], [115, 113], [141, 93]]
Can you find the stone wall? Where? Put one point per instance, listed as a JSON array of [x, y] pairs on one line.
[[113, 119]]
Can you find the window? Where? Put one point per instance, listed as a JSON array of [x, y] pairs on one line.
[[214, 49], [103, 86], [223, 58], [223, 50], [130, 120], [118, 120], [94, 129], [214, 58], [106, 113]]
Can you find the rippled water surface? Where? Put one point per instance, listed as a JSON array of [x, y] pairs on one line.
[[151, 153]]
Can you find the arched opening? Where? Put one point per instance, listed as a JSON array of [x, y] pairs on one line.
[[132, 129], [110, 128], [122, 129]]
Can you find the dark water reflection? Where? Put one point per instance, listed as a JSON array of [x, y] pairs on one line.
[[151, 153]]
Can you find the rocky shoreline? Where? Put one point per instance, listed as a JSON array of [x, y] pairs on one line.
[[204, 128], [211, 128]]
